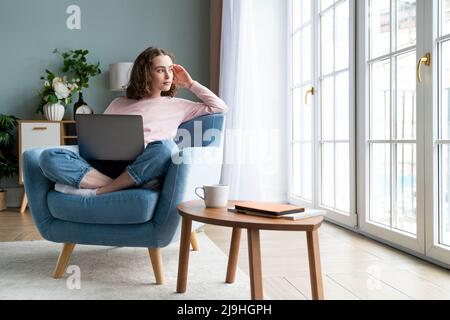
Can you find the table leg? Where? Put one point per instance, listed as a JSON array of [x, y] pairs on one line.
[[233, 256], [315, 270], [183, 261], [254, 256]]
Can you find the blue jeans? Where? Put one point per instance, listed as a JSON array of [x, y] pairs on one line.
[[67, 167]]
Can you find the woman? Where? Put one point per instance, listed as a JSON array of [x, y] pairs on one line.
[[150, 93]]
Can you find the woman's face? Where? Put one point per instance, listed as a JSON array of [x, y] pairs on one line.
[[162, 73]]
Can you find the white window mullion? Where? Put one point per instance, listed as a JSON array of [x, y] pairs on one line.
[[317, 147], [429, 129], [393, 135], [334, 107], [393, 185]]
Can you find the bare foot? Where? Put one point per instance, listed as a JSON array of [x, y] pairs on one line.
[[124, 181], [95, 179]]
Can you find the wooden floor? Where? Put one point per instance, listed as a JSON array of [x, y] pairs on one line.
[[354, 267], [15, 226]]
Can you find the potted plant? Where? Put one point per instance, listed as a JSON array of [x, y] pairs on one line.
[[55, 95], [8, 161], [75, 62]]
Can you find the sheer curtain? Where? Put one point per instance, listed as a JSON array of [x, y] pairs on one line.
[[253, 84]]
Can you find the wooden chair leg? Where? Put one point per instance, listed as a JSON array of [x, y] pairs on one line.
[[194, 241], [63, 259], [157, 264], [24, 205]]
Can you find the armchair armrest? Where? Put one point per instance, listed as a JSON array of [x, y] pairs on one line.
[[37, 186], [190, 168]]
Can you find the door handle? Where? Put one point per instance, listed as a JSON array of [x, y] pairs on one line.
[[424, 60], [310, 91]]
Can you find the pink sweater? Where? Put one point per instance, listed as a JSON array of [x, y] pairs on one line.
[[163, 115]]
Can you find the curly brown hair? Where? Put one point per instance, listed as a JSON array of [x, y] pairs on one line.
[[140, 85]]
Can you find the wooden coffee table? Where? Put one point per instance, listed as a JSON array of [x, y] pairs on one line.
[[196, 211]]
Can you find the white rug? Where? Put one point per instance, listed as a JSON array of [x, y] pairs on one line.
[[114, 273]]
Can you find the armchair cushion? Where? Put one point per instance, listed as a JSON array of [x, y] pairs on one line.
[[133, 206]]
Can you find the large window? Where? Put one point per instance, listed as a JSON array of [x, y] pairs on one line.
[[392, 114], [335, 105], [403, 124], [322, 104], [391, 133], [404, 138], [302, 120]]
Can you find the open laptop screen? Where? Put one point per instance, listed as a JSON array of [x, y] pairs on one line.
[[110, 137]]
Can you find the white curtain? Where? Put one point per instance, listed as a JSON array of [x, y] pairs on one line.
[[253, 84]]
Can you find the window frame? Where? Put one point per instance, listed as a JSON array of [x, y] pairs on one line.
[[349, 220], [371, 229], [433, 249]]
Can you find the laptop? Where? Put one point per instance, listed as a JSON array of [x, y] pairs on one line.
[[110, 137]]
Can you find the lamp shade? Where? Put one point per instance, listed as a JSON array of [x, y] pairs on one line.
[[119, 75]]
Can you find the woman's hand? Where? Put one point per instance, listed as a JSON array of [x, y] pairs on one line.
[[181, 77]]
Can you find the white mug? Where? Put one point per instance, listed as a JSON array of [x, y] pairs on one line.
[[215, 196]]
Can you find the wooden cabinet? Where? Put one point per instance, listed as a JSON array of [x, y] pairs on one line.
[[41, 134]]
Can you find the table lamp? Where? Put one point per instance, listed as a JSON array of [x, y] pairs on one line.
[[119, 75]]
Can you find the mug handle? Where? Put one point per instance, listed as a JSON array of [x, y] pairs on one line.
[[198, 194]]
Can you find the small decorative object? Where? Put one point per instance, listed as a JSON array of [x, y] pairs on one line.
[[54, 111], [84, 109], [8, 161], [75, 62], [80, 107], [55, 95]]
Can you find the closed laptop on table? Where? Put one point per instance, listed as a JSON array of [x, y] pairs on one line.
[[275, 209]]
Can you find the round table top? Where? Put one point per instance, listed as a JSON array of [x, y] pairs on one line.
[[196, 210]]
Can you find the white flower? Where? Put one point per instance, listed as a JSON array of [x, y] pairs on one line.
[[46, 83], [56, 80], [61, 90]]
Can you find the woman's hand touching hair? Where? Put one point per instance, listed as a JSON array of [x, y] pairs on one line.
[[181, 77]]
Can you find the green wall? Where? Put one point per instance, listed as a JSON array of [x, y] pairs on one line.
[[112, 30]]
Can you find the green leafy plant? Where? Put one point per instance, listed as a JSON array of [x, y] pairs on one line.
[[8, 161], [56, 90], [75, 62]]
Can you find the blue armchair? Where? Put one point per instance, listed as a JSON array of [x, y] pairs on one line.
[[133, 217]]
